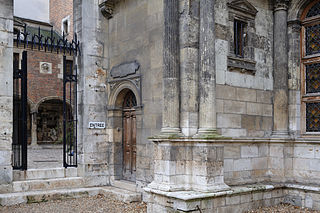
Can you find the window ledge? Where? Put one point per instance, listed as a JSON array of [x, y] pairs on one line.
[[242, 65]]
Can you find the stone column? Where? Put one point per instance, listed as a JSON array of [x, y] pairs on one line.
[[6, 91], [207, 77], [189, 65], [280, 69], [34, 134], [171, 58]]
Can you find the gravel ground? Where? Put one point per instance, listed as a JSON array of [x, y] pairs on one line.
[[104, 204], [94, 204], [283, 208]]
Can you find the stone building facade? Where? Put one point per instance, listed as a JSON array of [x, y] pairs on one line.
[[209, 105]]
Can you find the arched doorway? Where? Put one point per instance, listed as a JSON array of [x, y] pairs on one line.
[[129, 136], [50, 121]]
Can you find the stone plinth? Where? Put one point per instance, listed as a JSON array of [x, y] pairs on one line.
[[188, 164]]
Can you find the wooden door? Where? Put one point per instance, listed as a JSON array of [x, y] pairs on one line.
[[129, 138]]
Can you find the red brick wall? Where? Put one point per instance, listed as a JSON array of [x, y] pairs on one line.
[[43, 85], [59, 9]]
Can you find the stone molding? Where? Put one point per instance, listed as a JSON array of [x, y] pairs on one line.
[[244, 7], [117, 86], [241, 65], [281, 4]]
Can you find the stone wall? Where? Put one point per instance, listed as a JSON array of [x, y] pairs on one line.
[[135, 34], [244, 99], [237, 199], [6, 100], [252, 161]]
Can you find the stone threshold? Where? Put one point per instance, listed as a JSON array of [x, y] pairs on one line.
[[235, 190]]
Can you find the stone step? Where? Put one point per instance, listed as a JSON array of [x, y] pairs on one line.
[[47, 184], [121, 194], [127, 185], [43, 196], [59, 194], [40, 174]]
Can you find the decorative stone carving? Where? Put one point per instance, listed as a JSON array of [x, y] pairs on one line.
[[106, 7], [295, 25], [45, 68], [124, 69], [281, 4], [125, 75]]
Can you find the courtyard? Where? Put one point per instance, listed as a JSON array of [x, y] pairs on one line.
[[108, 204]]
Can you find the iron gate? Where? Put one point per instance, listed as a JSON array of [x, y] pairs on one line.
[[19, 140], [52, 44], [69, 114]]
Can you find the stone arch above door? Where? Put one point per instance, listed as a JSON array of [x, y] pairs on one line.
[[118, 91]]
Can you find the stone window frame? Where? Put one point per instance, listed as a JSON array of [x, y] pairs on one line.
[[242, 11], [307, 60], [66, 21]]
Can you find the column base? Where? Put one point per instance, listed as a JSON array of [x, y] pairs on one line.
[[171, 131], [280, 134], [207, 133]]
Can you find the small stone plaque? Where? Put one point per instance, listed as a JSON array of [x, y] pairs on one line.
[[97, 125], [45, 68]]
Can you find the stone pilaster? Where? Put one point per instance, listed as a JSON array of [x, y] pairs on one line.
[[171, 58], [6, 91], [92, 30], [207, 77], [34, 137], [280, 69], [189, 66]]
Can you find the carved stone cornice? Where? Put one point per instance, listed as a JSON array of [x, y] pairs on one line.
[[107, 7], [281, 4]]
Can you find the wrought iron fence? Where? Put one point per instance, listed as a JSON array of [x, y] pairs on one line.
[[48, 43]]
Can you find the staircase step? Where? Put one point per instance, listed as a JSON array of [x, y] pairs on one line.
[[36, 174], [47, 184], [10, 199]]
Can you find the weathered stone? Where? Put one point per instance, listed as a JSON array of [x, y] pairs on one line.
[[124, 69]]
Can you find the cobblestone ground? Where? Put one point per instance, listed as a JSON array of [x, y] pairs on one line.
[[45, 156], [283, 208], [96, 204]]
